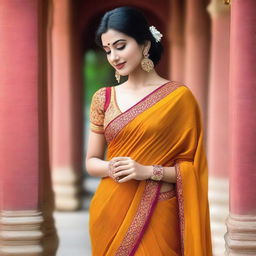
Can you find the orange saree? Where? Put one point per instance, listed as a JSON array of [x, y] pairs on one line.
[[134, 218]]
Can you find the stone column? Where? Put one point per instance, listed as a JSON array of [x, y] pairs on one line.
[[176, 35], [66, 108], [241, 223], [197, 40], [26, 195], [218, 123]]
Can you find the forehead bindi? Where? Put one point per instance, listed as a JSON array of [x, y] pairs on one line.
[[112, 37], [115, 42]]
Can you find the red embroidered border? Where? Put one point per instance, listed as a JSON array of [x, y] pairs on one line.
[[124, 118], [166, 195], [107, 98], [141, 219], [181, 205]]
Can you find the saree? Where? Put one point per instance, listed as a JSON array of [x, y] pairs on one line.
[[130, 218]]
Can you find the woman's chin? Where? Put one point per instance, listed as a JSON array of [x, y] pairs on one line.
[[123, 73]]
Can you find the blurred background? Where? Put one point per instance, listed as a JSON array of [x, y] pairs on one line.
[[49, 69]]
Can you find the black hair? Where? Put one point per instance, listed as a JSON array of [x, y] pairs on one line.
[[132, 22]]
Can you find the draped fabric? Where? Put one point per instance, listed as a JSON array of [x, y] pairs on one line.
[[134, 218]]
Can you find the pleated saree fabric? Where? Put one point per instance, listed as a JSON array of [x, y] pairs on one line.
[[135, 218]]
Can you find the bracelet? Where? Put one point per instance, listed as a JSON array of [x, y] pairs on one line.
[[110, 170], [158, 172]]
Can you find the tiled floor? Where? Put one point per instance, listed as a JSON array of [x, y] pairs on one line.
[[72, 227], [73, 233]]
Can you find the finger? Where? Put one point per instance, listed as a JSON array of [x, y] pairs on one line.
[[123, 162], [119, 158], [123, 173], [129, 177], [121, 168]]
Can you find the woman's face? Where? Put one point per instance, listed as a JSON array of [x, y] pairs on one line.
[[121, 48]]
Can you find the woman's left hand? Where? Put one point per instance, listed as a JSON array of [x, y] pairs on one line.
[[125, 168]]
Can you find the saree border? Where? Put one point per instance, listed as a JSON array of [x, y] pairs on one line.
[[180, 204], [166, 195], [140, 220], [115, 125]]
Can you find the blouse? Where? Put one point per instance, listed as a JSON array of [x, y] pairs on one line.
[[103, 109]]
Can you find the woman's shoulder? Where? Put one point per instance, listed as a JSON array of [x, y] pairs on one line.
[[103, 91], [184, 88], [99, 92], [187, 97], [102, 97], [98, 98]]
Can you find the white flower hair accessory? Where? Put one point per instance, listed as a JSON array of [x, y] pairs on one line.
[[156, 34]]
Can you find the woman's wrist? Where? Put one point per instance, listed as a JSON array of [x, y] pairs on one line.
[[111, 170], [166, 174], [157, 172]]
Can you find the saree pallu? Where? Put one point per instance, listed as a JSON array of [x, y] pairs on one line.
[[164, 128]]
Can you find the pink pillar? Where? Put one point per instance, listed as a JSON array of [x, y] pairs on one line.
[[19, 146], [66, 110], [26, 196], [241, 236], [218, 128], [197, 36], [218, 122], [176, 35]]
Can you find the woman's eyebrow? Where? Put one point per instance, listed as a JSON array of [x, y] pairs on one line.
[[115, 42]]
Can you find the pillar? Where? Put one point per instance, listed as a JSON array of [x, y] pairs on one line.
[[241, 223], [66, 108], [176, 35], [26, 195], [218, 122], [197, 40]]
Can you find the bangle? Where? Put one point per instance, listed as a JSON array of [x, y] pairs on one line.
[[158, 172], [110, 171]]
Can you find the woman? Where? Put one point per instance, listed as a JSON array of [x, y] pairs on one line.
[[152, 198]]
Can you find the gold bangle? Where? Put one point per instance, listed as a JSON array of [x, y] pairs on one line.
[[158, 172]]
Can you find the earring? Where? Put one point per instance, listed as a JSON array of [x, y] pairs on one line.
[[146, 63], [117, 75]]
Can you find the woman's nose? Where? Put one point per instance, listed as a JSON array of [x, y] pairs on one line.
[[114, 57]]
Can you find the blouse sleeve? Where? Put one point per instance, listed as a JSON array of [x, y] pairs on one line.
[[97, 111]]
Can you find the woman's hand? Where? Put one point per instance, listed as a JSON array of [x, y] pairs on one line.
[[125, 168]]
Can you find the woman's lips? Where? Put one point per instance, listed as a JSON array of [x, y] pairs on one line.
[[120, 66]]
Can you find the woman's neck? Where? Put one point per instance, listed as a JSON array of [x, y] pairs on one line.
[[140, 79]]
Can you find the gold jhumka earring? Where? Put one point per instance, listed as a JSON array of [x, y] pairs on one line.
[[146, 63], [117, 75]]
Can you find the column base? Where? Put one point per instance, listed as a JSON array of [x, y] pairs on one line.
[[67, 187], [23, 233], [241, 235], [219, 210]]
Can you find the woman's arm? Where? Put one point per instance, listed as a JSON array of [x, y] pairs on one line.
[[95, 164], [125, 168]]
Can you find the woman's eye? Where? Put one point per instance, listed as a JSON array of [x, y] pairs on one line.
[[120, 48]]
